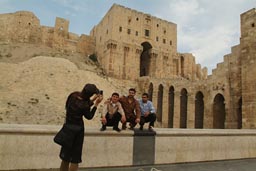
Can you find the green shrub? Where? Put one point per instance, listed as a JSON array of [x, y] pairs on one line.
[[93, 57]]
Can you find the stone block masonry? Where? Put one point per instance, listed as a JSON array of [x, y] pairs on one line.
[[31, 147]]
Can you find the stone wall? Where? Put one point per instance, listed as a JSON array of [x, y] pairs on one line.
[[248, 69], [23, 26], [31, 147]]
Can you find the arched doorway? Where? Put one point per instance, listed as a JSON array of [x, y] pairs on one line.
[[219, 114], [199, 110], [150, 92], [239, 114], [160, 103], [171, 107], [145, 59], [182, 66], [183, 108]]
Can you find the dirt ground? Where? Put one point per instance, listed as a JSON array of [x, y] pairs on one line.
[[35, 81]]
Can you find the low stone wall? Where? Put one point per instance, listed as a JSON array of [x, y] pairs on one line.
[[32, 147]]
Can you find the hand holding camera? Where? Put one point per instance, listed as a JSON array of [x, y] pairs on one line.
[[99, 97]]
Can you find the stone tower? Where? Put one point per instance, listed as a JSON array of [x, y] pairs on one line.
[[21, 26], [248, 69]]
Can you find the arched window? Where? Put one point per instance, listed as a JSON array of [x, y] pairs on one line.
[[199, 110], [219, 114], [160, 103], [183, 108], [150, 92], [239, 114], [145, 59], [171, 107]]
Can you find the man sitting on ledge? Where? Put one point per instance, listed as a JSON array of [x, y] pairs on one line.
[[131, 109], [147, 112], [112, 113]]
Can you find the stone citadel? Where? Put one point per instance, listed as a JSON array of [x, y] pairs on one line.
[[131, 45]]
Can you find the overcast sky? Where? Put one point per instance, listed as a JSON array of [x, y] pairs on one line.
[[206, 28]]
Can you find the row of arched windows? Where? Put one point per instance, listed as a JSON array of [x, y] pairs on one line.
[[218, 108]]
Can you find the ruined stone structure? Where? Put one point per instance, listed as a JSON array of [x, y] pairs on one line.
[[131, 45], [23, 26]]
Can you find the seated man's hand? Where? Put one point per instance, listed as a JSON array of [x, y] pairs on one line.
[[107, 101], [146, 114], [123, 119], [137, 120], [104, 120]]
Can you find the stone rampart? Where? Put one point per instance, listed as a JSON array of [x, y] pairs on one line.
[[24, 26]]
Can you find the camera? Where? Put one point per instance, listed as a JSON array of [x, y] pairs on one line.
[[101, 92]]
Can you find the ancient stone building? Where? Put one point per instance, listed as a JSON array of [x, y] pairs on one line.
[[131, 45]]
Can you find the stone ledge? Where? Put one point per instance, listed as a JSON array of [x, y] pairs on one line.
[[204, 132], [32, 146], [89, 131]]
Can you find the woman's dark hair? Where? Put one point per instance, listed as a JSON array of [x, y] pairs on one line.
[[88, 91]]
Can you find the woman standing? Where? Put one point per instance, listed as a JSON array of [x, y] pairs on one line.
[[78, 104]]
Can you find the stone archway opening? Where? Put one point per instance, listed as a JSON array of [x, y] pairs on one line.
[[199, 110], [239, 114], [219, 114], [160, 103], [170, 107], [150, 92], [182, 66], [183, 108], [145, 59]]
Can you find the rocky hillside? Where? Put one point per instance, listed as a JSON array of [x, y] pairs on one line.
[[36, 80]]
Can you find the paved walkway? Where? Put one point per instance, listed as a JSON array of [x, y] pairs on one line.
[[229, 165]]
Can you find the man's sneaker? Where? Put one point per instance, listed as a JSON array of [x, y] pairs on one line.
[[123, 127], [103, 128], [141, 127], [131, 128], [151, 128], [132, 125], [116, 129]]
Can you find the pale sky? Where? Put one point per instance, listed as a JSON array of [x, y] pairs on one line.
[[206, 28]]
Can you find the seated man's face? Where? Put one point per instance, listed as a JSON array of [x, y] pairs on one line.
[[131, 94], [144, 99], [114, 98]]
